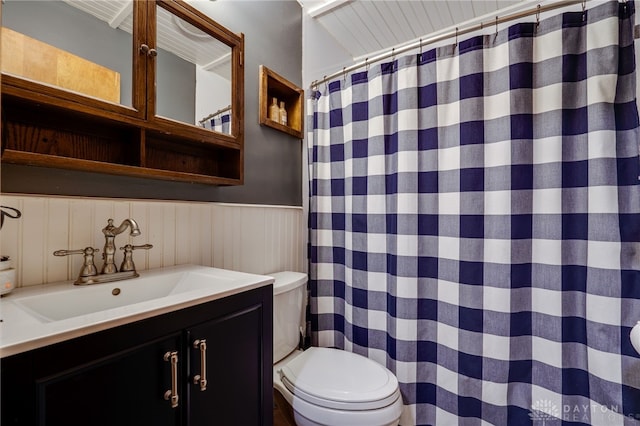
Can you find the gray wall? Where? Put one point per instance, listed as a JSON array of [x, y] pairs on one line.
[[273, 37]]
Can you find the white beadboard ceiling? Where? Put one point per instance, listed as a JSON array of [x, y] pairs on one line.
[[362, 27], [174, 35], [366, 27]]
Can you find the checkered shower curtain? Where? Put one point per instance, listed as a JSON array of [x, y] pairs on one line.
[[475, 219], [220, 124]]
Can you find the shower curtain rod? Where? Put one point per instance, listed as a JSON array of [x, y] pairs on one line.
[[220, 111], [453, 33]]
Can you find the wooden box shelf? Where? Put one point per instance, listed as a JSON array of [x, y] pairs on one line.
[[65, 135], [273, 85], [54, 122], [203, 159], [46, 135]]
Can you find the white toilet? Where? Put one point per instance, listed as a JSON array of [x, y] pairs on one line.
[[324, 386]]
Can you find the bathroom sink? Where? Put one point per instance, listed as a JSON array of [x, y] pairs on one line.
[[35, 316], [77, 301]]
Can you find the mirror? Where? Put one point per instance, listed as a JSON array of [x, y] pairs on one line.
[[85, 46], [57, 44], [208, 65]]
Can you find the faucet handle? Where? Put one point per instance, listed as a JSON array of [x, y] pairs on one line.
[[127, 262], [143, 247], [85, 251], [88, 268]]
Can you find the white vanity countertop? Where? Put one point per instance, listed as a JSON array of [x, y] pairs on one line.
[[22, 330]]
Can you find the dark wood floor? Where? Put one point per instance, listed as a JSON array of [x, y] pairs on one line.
[[282, 412]]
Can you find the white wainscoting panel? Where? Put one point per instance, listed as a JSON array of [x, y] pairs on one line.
[[256, 238], [249, 238]]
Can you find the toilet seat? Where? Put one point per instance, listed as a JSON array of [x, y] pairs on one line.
[[340, 380]]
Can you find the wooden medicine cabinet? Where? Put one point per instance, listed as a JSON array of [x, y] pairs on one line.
[[275, 86], [140, 101]]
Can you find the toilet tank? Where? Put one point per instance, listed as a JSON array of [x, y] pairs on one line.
[[289, 303]]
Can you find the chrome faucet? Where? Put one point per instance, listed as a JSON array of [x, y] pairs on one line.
[[89, 273], [110, 233]]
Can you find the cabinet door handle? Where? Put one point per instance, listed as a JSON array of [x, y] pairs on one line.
[[201, 378], [148, 51], [172, 394]]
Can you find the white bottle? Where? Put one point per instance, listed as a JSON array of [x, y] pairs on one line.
[[283, 114], [274, 111]]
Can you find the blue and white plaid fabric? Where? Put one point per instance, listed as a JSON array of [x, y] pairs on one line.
[[221, 124], [475, 219]]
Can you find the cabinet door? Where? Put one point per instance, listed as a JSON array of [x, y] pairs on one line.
[[192, 74], [125, 388], [234, 355], [77, 48]]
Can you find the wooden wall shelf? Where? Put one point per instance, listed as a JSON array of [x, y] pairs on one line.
[[52, 135], [44, 124], [273, 85]]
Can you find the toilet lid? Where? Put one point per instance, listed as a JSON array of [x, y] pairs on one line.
[[339, 379]]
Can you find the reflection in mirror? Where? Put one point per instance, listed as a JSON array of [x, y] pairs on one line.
[[196, 89], [57, 43], [84, 46]]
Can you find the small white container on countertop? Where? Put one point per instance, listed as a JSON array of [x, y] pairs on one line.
[[7, 275]]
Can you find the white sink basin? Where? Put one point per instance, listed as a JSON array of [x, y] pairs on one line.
[[82, 300], [31, 317]]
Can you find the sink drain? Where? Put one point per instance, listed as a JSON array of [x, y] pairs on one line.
[[115, 291]]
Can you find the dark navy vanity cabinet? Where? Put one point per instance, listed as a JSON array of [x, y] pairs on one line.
[[216, 356]]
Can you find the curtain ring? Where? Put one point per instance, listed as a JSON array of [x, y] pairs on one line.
[[393, 58], [538, 17], [496, 25], [420, 46], [584, 9], [326, 85], [344, 74], [456, 43], [366, 64]]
